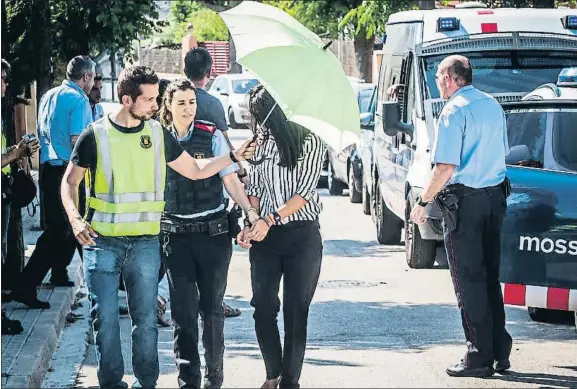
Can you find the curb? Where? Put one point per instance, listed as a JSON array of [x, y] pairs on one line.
[[35, 357]]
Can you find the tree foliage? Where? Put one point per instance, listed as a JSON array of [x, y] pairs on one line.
[[70, 28], [208, 25]]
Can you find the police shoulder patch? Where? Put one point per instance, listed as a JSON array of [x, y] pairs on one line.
[[205, 126]]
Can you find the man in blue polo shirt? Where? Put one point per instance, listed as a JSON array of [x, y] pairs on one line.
[[64, 112]]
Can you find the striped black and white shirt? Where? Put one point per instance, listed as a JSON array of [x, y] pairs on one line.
[[274, 185]]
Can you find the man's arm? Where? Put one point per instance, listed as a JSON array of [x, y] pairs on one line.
[[69, 190], [80, 118], [442, 173]]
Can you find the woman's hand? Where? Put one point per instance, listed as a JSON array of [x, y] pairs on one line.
[[259, 230], [246, 151], [243, 239]]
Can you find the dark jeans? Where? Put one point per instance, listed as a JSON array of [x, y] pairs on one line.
[[197, 264], [5, 222], [55, 246], [292, 251], [474, 251]]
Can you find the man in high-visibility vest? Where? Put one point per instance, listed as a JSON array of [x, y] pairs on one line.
[[9, 156], [124, 158]]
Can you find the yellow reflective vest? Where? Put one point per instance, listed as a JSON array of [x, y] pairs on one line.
[[128, 193], [6, 169]]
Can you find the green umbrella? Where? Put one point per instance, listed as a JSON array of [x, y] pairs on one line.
[[305, 78]]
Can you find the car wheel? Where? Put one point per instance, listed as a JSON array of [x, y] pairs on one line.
[[388, 224], [335, 186], [231, 121], [420, 252], [355, 196], [366, 201]]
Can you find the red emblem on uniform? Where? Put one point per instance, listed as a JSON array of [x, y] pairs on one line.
[[205, 126]]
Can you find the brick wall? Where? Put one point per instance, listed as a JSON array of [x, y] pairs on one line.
[[162, 60]]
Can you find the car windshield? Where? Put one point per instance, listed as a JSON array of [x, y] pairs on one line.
[[365, 99], [243, 86], [506, 71], [527, 132]]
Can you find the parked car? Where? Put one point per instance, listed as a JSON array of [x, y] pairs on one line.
[[231, 90], [345, 169]]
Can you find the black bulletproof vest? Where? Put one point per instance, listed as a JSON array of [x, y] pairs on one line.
[[184, 196]]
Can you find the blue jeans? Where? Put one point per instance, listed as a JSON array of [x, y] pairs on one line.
[[138, 258]]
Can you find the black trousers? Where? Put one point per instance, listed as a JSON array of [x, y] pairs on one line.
[[292, 251], [197, 268], [55, 246], [474, 252]]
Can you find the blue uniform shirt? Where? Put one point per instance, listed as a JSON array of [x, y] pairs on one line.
[[219, 148], [471, 134], [97, 112], [64, 112]]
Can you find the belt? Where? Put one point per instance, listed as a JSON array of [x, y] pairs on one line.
[[461, 190], [216, 226]]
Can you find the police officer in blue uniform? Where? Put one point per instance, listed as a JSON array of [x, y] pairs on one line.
[[196, 239], [469, 185]]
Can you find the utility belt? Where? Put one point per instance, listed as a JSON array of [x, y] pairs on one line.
[[216, 225], [448, 199]]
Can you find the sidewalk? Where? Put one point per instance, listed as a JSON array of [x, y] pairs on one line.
[[27, 357]]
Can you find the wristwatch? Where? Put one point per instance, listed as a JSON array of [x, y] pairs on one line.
[[252, 212], [421, 202]]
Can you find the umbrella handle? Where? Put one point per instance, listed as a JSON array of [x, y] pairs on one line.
[[325, 47], [257, 161]]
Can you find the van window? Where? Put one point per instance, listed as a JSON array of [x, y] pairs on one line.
[[528, 130], [506, 71]]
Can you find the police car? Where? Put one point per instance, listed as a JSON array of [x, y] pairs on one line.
[[539, 237]]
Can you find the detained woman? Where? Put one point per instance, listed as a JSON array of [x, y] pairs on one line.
[[195, 240], [286, 242]]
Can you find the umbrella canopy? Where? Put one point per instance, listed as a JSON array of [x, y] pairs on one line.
[[306, 79]]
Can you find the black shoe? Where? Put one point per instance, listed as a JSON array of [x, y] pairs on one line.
[[30, 300], [502, 365], [122, 310], [62, 281], [460, 370], [9, 326]]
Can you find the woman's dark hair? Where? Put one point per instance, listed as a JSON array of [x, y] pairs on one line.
[[180, 84], [289, 137]]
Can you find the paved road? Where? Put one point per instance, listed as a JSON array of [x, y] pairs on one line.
[[373, 323]]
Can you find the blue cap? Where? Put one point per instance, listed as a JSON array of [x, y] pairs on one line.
[[567, 77]]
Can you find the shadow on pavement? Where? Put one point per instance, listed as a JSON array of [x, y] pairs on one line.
[[539, 379], [411, 328], [354, 325]]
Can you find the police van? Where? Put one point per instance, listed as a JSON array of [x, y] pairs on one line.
[[539, 235], [512, 51]]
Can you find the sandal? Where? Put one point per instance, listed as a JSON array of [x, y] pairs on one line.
[[229, 311]]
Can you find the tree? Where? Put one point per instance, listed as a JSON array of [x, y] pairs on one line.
[[208, 25]]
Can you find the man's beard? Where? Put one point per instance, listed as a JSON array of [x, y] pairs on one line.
[[137, 116]]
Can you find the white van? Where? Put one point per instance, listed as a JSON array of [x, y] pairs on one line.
[[512, 51]]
